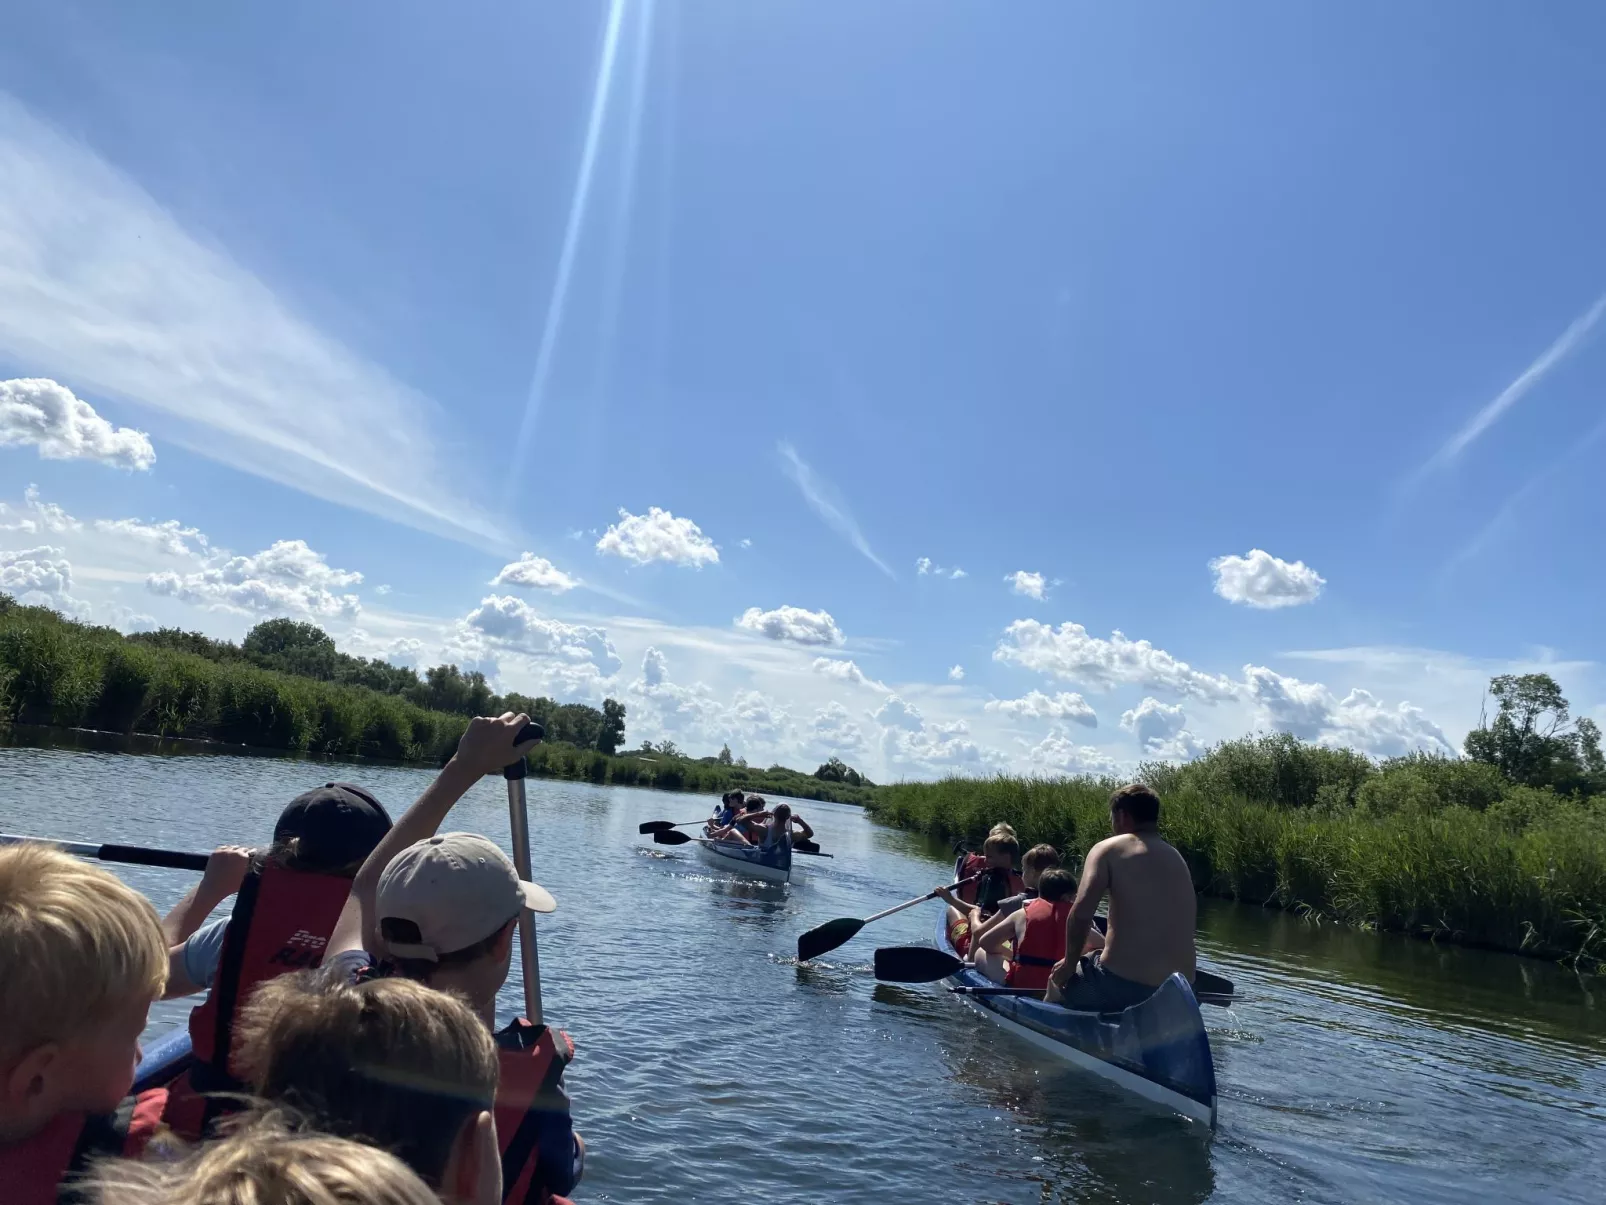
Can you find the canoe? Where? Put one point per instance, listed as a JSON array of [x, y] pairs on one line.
[[771, 865], [164, 1059], [1156, 1050]]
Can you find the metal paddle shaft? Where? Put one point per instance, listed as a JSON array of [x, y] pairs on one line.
[[822, 939], [518, 815], [131, 855]]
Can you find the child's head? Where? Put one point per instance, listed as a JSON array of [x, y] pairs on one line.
[[1056, 884], [447, 907], [265, 1163], [390, 1062], [1038, 859], [782, 816], [754, 803], [1001, 830], [329, 830], [1001, 849], [83, 957]]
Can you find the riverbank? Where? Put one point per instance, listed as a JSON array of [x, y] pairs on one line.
[[1493, 877]]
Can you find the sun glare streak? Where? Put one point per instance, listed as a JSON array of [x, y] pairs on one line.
[[624, 206], [558, 302]]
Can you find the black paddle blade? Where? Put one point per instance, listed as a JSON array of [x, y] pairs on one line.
[[655, 826], [914, 964], [827, 937], [670, 838], [805, 847], [1206, 984]]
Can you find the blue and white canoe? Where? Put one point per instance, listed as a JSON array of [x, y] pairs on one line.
[[772, 865], [164, 1059], [1157, 1050]]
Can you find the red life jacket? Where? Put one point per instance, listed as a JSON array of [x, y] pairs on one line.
[[1041, 945], [39, 1170], [532, 1058], [281, 922]]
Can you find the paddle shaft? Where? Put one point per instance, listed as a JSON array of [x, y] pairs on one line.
[[518, 815], [131, 855], [920, 899]]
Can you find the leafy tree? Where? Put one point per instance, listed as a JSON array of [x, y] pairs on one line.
[[279, 636], [832, 771], [725, 758], [612, 732], [1534, 741]]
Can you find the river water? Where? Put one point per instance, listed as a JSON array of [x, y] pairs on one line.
[[711, 1067]]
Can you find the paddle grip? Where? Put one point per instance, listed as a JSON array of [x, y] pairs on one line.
[[521, 768]]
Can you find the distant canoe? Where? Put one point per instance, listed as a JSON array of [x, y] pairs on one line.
[[771, 865]]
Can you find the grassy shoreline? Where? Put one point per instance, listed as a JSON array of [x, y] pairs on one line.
[[1532, 885]]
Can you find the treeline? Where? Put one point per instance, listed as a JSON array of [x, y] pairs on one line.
[[304, 650], [268, 694], [1504, 849]]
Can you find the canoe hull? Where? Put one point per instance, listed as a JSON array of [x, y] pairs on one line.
[[1157, 1050], [771, 865]]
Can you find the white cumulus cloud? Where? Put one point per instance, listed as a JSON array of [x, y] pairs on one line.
[[39, 412], [288, 578], [846, 671], [170, 536], [514, 624], [658, 536], [36, 515], [536, 572], [793, 624], [833, 733], [1161, 729], [1032, 585], [1360, 720], [1059, 754], [1264, 581], [41, 577], [1068, 652], [956, 673], [1034, 704], [926, 567]]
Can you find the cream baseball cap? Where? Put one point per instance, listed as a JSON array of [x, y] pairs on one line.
[[456, 889]]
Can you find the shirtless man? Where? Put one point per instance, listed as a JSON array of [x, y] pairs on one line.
[[1152, 912]]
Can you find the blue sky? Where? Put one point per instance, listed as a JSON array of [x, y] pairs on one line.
[[790, 296]]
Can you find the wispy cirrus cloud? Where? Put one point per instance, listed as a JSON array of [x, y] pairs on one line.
[[1564, 346], [827, 502], [102, 288]]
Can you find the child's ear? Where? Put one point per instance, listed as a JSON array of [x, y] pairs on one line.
[[26, 1080], [477, 1162]]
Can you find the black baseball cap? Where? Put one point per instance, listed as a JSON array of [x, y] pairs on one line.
[[334, 825]]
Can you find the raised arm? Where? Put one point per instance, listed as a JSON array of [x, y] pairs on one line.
[[799, 822], [225, 871], [486, 747], [1095, 882]]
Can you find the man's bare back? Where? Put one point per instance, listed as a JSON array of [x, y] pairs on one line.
[[1153, 909]]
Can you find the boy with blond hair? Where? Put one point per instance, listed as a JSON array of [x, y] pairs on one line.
[[987, 879], [266, 1163], [389, 1062], [84, 957]]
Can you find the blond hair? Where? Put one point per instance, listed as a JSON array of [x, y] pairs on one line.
[[1002, 829], [1001, 843], [264, 1163], [90, 945], [391, 1062]]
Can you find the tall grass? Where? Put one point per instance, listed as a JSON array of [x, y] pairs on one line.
[[1411, 860]]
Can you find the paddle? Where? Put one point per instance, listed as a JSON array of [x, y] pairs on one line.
[[519, 823], [670, 838], [924, 964], [132, 855], [827, 937], [663, 826]]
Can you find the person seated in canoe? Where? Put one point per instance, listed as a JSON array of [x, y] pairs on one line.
[[998, 880], [1035, 933], [441, 909], [1152, 913], [774, 829], [287, 901], [728, 804], [84, 959], [748, 825], [992, 940]]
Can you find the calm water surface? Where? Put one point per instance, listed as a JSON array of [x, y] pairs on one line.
[[712, 1068]]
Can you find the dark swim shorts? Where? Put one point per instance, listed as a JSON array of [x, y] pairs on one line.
[[1093, 989]]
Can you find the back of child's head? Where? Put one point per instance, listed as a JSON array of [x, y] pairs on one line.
[[1001, 845], [1040, 858], [1056, 884], [264, 1163], [389, 1061], [1001, 829], [79, 948], [753, 803]]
